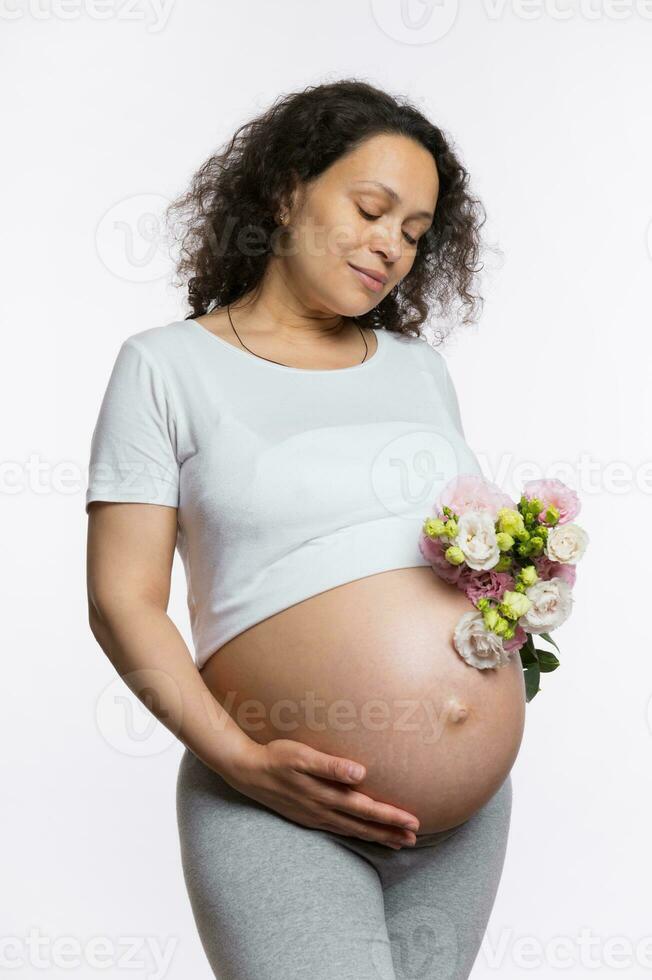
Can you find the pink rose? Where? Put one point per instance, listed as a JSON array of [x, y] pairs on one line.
[[484, 584], [471, 492], [547, 569], [556, 494]]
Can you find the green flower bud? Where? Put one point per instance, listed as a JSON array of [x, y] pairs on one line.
[[535, 506], [510, 521], [454, 555], [528, 575], [502, 626], [451, 528], [514, 604], [504, 540], [433, 527], [490, 619]]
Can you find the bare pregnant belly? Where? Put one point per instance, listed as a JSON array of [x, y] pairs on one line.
[[367, 671]]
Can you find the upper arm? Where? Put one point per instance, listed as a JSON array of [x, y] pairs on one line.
[[129, 553], [133, 484]]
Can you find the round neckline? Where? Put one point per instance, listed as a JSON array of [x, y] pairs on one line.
[[381, 338]]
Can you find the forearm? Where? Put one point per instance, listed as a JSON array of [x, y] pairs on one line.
[[151, 656]]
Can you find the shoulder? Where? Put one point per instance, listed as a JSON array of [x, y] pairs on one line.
[[426, 354], [160, 341]]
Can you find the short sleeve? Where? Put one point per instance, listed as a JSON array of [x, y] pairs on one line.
[[452, 400], [132, 455]]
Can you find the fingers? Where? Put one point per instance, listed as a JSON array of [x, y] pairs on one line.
[[348, 811], [342, 824], [330, 766], [357, 804], [365, 808]]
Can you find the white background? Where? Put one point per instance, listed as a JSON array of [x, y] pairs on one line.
[[105, 119]]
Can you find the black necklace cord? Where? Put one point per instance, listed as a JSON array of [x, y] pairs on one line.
[[228, 310]]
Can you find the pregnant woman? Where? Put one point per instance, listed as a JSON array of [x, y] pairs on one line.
[[288, 438]]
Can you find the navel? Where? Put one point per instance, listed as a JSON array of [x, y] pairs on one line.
[[457, 712]]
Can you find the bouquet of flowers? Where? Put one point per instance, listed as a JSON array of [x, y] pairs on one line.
[[515, 562]]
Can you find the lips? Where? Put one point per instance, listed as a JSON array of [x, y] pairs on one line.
[[373, 281]]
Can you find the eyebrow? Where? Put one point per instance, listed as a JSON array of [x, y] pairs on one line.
[[396, 197]]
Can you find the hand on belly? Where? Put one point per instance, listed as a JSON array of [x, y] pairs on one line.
[[367, 671]]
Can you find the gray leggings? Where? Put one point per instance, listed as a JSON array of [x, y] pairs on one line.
[[274, 900]]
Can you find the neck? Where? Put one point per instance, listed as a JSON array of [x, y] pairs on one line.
[[274, 311]]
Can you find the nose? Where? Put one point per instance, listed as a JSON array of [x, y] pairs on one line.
[[386, 244]]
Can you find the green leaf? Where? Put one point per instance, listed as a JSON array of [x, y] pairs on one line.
[[532, 676], [528, 655], [547, 661], [546, 636]]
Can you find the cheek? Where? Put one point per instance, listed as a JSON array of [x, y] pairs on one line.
[[335, 230]]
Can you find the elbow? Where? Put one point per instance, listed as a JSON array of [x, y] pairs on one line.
[[95, 623]]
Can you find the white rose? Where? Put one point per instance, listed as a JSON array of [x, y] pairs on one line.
[[476, 644], [566, 543], [552, 601], [476, 536]]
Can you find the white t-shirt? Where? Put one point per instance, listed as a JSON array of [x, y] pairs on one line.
[[288, 481]]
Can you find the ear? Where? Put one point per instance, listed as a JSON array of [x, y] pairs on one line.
[[289, 200]]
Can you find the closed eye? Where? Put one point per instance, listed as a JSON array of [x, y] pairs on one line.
[[375, 217]]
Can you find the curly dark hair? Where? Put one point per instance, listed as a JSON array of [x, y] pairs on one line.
[[235, 195]]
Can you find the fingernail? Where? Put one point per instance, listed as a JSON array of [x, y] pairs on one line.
[[412, 826], [356, 772]]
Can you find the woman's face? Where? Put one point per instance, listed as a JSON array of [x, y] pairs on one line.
[[366, 211]]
